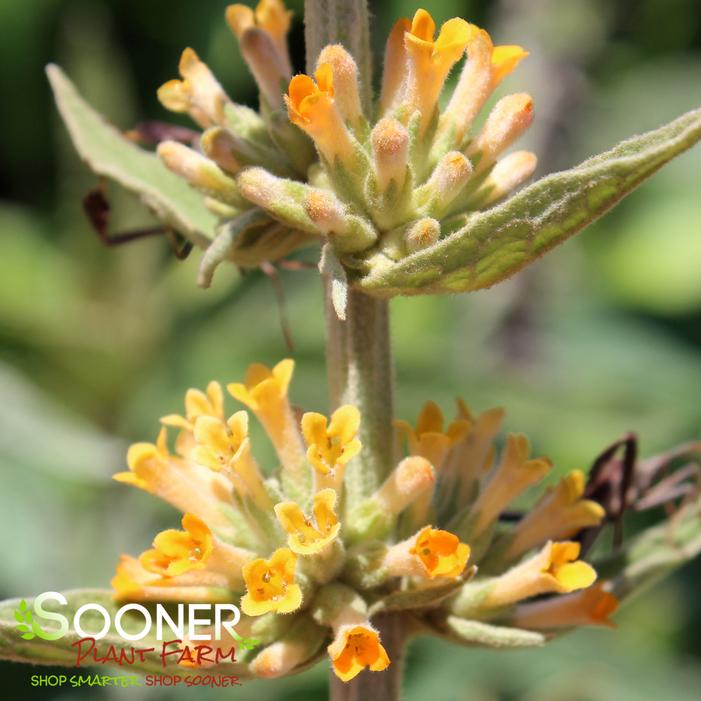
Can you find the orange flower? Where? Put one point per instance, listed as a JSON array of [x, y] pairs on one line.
[[355, 648], [270, 585], [589, 607], [441, 553], [311, 106], [430, 60]]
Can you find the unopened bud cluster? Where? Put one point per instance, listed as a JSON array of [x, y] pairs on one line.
[[318, 167]]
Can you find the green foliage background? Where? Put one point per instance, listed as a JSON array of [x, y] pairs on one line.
[[601, 337]]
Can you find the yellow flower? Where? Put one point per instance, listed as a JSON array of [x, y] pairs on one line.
[[311, 106], [560, 513], [355, 648], [264, 391], [303, 537], [134, 582], [441, 553], [262, 37], [270, 585], [429, 439], [198, 403], [219, 443], [182, 483], [554, 569], [269, 15], [198, 93], [512, 475], [176, 552], [331, 445], [589, 607], [429, 61]]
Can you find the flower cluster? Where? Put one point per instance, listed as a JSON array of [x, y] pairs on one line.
[[307, 569], [318, 163]]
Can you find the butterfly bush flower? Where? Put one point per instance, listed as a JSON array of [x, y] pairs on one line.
[[366, 529], [312, 569]]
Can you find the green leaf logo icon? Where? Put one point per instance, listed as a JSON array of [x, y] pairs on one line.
[[23, 616]]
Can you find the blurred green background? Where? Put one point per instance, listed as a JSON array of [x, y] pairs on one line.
[[601, 337]]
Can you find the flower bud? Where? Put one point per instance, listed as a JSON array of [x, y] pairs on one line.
[[422, 234], [485, 68], [511, 116], [395, 64], [587, 607], [298, 645], [513, 475], [390, 149], [269, 16], [219, 145], [411, 478], [350, 232], [200, 172], [508, 173], [266, 65], [345, 81], [445, 184]]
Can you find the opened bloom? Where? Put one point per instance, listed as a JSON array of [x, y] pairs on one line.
[[554, 569], [356, 648], [331, 444], [560, 513], [430, 439], [312, 107], [307, 537], [270, 585], [431, 553]]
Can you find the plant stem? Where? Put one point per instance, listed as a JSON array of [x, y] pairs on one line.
[[359, 366], [358, 356]]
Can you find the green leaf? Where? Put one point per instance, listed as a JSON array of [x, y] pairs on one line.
[[471, 633], [490, 246], [108, 153], [61, 652], [426, 597], [654, 554]]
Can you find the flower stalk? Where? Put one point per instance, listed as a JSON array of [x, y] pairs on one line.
[[359, 354]]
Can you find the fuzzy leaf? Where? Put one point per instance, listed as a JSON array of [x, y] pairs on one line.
[[655, 553], [60, 652], [491, 246], [426, 597], [108, 153], [471, 633], [331, 266]]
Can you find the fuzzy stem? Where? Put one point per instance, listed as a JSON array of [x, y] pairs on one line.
[[377, 686], [358, 356], [360, 373]]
